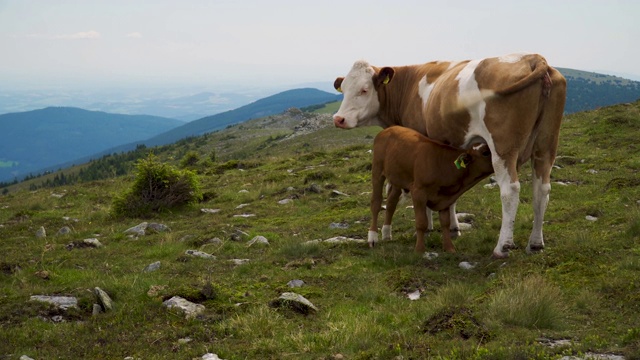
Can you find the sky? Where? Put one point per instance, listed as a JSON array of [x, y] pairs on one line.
[[266, 43]]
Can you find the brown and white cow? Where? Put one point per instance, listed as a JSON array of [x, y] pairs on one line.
[[514, 103], [435, 173]]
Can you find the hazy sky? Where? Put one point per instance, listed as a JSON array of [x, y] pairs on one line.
[[280, 42]]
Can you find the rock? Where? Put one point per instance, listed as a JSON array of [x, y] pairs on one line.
[[295, 283], [93, 242], [241, 206], [314, 188], [185, 340], [64, 230], [190, 309], [591, 218], [338, 193], [42, 274], [152, 267], [258, 240], [210, 356], [243, 191], [340, 225], [41, 233], [104, 299], [336, 240], [200, 254], [491, 185], [592, 171], [59, 196], [414, 295], [245, 215], [62, 302], [25, 357], [430, 255], [138, 230], [238, 235], [210, 211], [239, 261], [158, 227], [466, 265], [155, 290], [295, 302], [97, 309], [463, 226], [285, 201]]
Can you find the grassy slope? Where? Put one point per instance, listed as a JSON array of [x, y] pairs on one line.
[[583, 287]]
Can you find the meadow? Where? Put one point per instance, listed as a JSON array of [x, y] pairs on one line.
[[584, 288]]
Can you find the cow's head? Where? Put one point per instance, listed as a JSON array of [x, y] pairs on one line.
[[360, 88]]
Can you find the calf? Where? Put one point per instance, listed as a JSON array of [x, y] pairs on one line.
[[435, 173]]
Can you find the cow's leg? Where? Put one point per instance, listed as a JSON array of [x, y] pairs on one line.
[[393, 196], [445, 217], [376, 204], [420, 211], [453, 221], [507, 178], [430, 220], [541, 189]]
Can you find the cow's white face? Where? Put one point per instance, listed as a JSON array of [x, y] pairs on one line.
[[360, 104]]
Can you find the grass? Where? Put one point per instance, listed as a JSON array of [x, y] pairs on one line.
[[583, 287]]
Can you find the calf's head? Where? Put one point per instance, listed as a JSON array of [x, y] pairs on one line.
[[477, 159], [360, 87]]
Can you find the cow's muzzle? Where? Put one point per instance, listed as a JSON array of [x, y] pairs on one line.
[[339, 122]]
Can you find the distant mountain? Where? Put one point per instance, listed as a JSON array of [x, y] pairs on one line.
[[270, 105], [588, 90], [33, 140]]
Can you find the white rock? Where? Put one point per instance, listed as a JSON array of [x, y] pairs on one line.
[[241, 206], [210, 211], [243, 191], [25, 357], [104, 299], [414, 295], [41, 233], [463, 226], [430, 255], [239, 261], [465, 217], [467, 265], [295, 283], [210, 356], [199, 254], [63, 302], [491, 185], [138, 229], [285, 201], [152, 267], [592, 171], [258, 240], [342, 240], [92, 242], [591, 218], [190, 309], [245, 215]]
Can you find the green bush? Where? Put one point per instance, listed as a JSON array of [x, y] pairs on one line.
[[157, 187]]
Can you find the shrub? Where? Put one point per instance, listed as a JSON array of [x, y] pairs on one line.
[[157, 186], [190, 159]]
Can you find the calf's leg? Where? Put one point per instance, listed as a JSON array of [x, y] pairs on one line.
[[422, 223], [445, 218], [377, 182], [393, 196]]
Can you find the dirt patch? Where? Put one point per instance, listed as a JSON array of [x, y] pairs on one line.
[[458, 321]]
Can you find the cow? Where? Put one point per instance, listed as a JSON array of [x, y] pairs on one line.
[[514, 103], [435, 173]]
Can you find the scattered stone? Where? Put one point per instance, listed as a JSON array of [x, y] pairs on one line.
[[158, 227], [210, 211], [210, 356], [239, 261], [336, 240], [62, 302], [185, 340], [295, 302], [338, 193], [241, 206], [138, 230], [93, 242], [155, 290], [57, 318], [64, 230], [215, 241], [338, 357], [104, 299], [340, 225], [238, 235], [244, 215], [314, 188], [562, 183], [285, 201], [465, 217], [592, 171], [491, 185], [25, 357], [467, 265], [415, 295], [243, 191], [42, 274], [591, 218], [152, 267], [191, 310], [66, 218], [97, 309], [291, 188], [41, 233], [258, 240], [463, 226], [295, 283], [430, 255], [200, 254], [59, 196], [594, 356]]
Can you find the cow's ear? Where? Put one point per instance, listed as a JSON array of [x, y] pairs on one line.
[[383, 77], [338, 83]]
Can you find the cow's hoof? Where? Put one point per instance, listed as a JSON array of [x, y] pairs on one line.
[[372, 244], [534, 248], [509, 246]]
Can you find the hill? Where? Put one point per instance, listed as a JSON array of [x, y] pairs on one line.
[[589, 90], [275, 177], [33, 140]]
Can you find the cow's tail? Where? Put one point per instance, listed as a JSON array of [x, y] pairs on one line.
[[540, 72]]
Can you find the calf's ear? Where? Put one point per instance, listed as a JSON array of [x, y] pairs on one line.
[[383, 77], [338, 83]]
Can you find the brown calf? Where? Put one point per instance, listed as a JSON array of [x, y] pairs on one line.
[[435, 173]]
